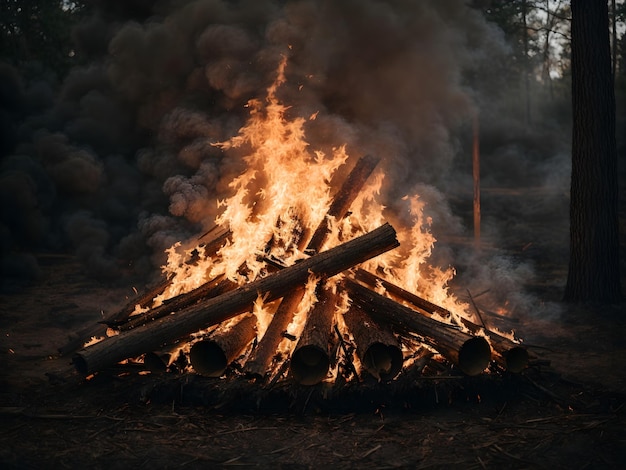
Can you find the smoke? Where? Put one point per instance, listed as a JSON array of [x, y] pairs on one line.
[[117, 162]]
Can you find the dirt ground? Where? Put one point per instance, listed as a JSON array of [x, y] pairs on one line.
[[567, 414]]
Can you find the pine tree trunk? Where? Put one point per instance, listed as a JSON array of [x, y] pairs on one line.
[[594, 234]]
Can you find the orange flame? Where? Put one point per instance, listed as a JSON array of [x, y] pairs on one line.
[[285, 189]]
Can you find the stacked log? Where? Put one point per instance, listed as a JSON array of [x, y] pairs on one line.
[[510, 355], [262, 356], [471, 354], [310, 361], [211, 356], [378, 323], [188, 320], [377, 348]]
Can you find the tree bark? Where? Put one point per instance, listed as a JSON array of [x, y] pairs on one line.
[[223, 307], [512, 356], [211, 356], [593, 273], [310, 360], [377, 348], [471, 354]]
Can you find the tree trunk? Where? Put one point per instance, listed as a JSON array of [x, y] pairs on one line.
[[594, 231]]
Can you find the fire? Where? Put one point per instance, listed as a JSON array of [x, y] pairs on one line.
[[285, 194]]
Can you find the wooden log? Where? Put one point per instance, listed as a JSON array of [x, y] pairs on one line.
[[512, 356], [214, 239], [78, 340], [344, 199], [210, 357], [210, 289], [261, 357], [471, 354], [218, 309], [398, 292], [377, 348], [310, 360]]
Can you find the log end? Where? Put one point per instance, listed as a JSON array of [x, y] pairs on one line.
[[516, 359], [309, 365], [80, 364], [208, 359], [474, 356], [383, 361]]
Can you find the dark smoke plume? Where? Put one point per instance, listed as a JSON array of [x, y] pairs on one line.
[[116, 163]]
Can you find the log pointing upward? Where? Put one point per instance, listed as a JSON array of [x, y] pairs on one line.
[[262, 356], [223, 307]]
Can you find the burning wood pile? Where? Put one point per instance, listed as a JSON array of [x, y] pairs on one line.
[[290, 280]]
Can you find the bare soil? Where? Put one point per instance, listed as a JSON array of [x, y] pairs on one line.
[[565, 411]]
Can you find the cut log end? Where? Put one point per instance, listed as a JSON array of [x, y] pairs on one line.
[[516, 359], [309, 365], [474, 356], [208, 359], [383, 361], [80, 363]]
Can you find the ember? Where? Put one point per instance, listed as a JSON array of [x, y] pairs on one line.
[[286, 278]]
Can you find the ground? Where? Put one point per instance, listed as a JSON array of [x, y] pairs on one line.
[[566, 411]]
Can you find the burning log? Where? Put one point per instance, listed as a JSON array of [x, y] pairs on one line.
[[99, 329], [225, 306], [471, 354], [310, 360], [398, 292], [262, 355], [210, 289], [211, 356], [344, 199], [376, 346], [510, 355]]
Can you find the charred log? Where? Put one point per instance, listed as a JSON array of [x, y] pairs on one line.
[[169, 329], [344, 198], [261, 357], [510, 355], [377, 348], [210, 289], [310, 361], [471, 354], [210, 357]]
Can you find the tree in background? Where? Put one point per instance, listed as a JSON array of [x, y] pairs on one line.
[[594, 273], [39, 31]]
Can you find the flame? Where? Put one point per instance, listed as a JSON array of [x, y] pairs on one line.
[[284, 193]]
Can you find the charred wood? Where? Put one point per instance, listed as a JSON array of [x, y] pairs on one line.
[[344, 198], [210, 357], [261, 357], [210, 289], [377, 348], [512, 356], [471, 354], [310, 361], [193, 318]]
